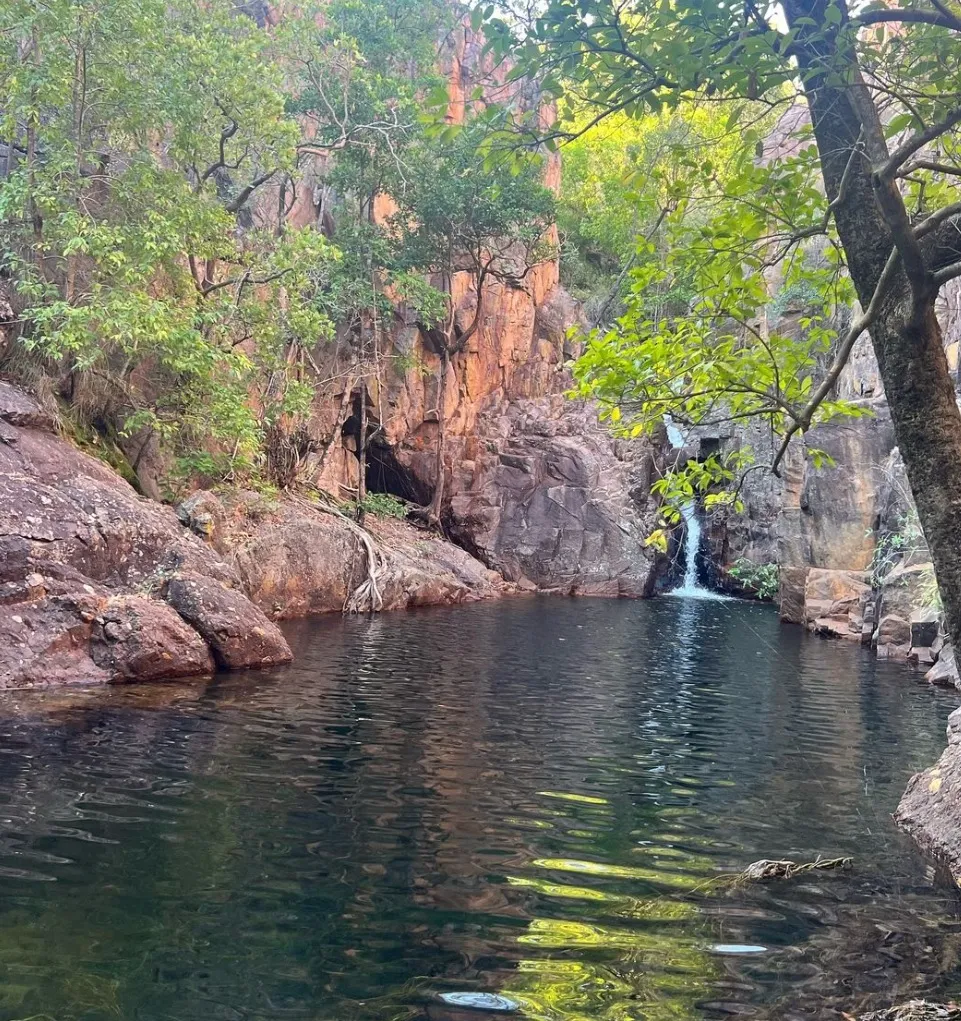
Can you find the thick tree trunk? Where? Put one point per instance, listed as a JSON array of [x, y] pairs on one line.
[[906, 335], [927, 426]]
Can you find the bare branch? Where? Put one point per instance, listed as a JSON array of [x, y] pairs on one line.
[[932, 165], [899, 14], [237, 203], [242, 280]]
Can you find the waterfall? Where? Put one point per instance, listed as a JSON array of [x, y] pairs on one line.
[[690, 587]]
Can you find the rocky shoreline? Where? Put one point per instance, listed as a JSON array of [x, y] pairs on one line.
[[100, 585]]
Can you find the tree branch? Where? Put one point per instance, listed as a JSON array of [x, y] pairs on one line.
[[803, 422], [918, 141], [237, 203], [899, 14]]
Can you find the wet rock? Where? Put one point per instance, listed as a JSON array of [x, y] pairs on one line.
[[930, 808], [915, 1010], [944, 673], [238, 633]]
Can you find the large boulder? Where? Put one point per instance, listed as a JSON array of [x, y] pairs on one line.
[[84, 562], [296, 559], [944, 673], [93, 638], [238, 633]]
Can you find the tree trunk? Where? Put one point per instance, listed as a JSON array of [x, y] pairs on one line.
[[437, 502], [927, 426], [362, 454], [906, 334]]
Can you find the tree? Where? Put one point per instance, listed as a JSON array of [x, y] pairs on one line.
[[135, 135], [880, 84], [621, 182], [475, 214]]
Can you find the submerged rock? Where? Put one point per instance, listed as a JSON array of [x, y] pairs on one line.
[[915, 1010]]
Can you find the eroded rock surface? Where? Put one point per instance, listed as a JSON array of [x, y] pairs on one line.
[[296, 560], [84, 563], [550, 500]]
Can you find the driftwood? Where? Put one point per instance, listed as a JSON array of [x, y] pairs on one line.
[[786, 869], [913, 1010]]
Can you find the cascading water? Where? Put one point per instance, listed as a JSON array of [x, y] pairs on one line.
[[689, 588]]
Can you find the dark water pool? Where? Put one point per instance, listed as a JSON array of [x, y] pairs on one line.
[[533, 799]]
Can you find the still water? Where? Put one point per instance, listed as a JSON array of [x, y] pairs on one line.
[[533, 799]]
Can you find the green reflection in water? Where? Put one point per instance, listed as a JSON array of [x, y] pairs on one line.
[[583, 799]]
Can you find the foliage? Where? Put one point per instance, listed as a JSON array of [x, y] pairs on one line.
[[139, 131], [616, 183], [866, 193], [472, 214], [156, 150], [384, 505], [763, 580]]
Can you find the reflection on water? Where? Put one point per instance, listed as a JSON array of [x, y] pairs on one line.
[[455, 814]]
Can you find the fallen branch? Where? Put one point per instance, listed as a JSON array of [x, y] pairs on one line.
[[786, 869]]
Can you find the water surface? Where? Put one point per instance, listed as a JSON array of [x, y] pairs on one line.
[[533, 799]]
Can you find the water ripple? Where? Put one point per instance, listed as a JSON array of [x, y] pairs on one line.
[[441, 814]]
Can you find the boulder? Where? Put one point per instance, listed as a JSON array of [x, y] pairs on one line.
[[18, 408], [92, 638], [829, 512], [295, 560], [83, 565], [893, 637], [238, 633], [203, 513], [905, 589], [945, 671], [930, 808], [140, 639]]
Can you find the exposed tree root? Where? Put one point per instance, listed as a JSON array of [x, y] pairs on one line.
[[366, 597]]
